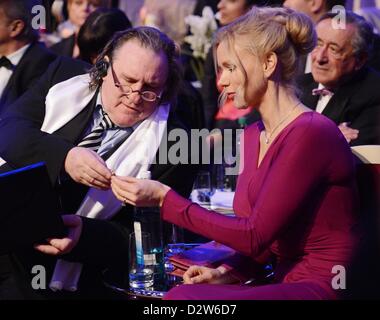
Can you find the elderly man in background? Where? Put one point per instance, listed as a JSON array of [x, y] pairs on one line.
[[315, 9], [340, 85]]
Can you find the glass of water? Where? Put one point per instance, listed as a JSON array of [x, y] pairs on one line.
[[141, 264], [203, 187]]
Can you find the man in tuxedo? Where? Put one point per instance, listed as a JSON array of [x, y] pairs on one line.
[[315, 9], [127, 94], [340, 85], [22, 58]]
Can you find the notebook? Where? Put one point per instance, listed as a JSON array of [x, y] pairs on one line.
[[29, 208]]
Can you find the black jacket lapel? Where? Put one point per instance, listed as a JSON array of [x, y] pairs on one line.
[[337, 106], [73, 130]]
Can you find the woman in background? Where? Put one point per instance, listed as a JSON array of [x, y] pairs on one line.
[[77, 11], [99, 28]]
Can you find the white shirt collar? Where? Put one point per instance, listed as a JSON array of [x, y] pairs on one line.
[[323, 100], [16, 56]]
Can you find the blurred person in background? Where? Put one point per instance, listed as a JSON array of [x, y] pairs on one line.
[[98, 29], [132, 9], [77, 11], [168, 16], [315, 10], [22, 58]]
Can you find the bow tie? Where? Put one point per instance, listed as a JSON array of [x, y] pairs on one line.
[[6, 63], [322, 92]]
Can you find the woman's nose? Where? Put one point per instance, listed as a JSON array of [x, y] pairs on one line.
[[223, 80]]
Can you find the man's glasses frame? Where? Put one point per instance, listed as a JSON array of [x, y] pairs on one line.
[[149, 96]]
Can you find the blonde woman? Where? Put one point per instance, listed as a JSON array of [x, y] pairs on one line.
[[295, 197]]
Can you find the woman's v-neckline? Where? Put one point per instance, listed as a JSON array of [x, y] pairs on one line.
[[260, 127]]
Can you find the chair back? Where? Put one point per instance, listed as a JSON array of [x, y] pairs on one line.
[[367, 153], [368, 179]]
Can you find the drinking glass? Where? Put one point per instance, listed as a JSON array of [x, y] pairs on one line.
[[203, 187], [141, 264]]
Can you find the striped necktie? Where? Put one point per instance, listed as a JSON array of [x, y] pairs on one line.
[[94, 139]]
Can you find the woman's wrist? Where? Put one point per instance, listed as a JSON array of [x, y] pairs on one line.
[[163, 192], [227, 274], [223, 270]]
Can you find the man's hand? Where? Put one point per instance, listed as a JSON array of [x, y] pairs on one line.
[[64, 245], [349, 133], [87, 167]]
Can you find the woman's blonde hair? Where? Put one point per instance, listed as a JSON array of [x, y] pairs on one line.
[[287, 33]]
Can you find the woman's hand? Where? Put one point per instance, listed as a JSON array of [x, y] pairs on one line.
[[139, 192], [200, 274], [64, 245]]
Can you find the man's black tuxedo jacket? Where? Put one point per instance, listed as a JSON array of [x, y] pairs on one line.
[[32, 65], [102, 243], [357, 101]]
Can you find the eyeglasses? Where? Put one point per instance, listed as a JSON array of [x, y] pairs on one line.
[[149, 96]]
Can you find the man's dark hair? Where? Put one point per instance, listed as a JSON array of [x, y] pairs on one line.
[[150, 38], [99, 28], [21, 10], [363, 38]]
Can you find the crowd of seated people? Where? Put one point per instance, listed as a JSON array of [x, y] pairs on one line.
[[305, 99]]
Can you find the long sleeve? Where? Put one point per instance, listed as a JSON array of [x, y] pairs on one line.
[[298, 170], [21, 140]]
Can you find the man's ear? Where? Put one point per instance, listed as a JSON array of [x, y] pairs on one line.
[[102, 66], [316, 6], [269, 64], [16, 27]]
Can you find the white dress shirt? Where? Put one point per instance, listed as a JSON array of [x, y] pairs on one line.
[[5, 74], [323, 100]]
